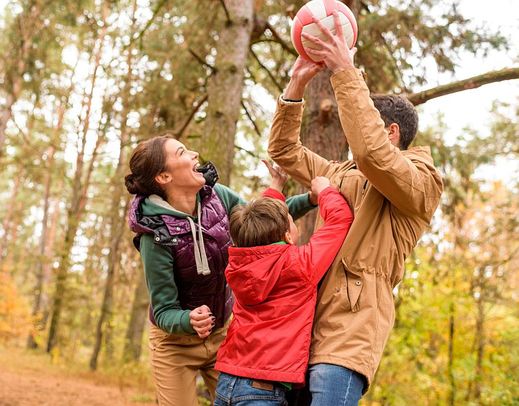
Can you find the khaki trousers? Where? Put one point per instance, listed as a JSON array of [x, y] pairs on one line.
[[176, 360]]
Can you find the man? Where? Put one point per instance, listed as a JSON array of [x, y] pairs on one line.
[[393, 192]]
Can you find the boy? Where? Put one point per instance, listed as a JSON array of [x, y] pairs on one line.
[[275, 284]]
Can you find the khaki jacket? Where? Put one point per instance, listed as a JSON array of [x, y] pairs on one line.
[[393, 195]]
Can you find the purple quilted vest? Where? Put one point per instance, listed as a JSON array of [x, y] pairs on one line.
[[174, 232]]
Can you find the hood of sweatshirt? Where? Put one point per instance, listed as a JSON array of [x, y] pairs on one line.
[[146, 217], [252, 272]]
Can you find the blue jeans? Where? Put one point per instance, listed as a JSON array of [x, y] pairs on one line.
[[333, 385], [233, 390]]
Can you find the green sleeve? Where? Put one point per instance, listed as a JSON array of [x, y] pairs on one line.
[[228, 197], [158, 269], [298, 205]]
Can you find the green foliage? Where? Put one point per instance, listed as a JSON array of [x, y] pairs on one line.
[[15, 318]]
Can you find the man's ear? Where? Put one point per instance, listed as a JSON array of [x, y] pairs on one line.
[[288, 238], [394, 134], [163, 178]]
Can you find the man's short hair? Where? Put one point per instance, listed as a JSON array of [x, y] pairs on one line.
[[261, 222], [397, 109]]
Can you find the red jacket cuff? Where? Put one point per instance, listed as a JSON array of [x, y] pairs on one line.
[[274, 194]]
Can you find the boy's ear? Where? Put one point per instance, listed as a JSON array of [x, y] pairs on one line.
[[288, 238]]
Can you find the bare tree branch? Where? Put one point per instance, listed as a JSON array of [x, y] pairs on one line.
[[392, 58], [252, 154], [280, 40], [466, 84], [201, 61], [227, 15], [180, 132], [269, 73], [256, 128], [141, 33]]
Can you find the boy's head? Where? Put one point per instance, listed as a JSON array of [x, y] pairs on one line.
[[262, 222]]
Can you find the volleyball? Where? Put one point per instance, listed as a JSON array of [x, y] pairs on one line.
[[322, 10]]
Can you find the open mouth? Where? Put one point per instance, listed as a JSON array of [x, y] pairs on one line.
[[195, 167]]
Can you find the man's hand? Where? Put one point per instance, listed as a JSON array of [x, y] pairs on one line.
[[202, 321], [333, 52], [302, 72], [279, 176], [319, 183]]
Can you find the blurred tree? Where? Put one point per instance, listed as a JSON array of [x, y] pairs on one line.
[[119, 203], [80, 184], [225, 86]]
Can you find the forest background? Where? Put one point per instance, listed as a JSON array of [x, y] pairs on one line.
[[81, 82]]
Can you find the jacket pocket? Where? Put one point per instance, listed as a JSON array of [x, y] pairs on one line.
[[354, 285]]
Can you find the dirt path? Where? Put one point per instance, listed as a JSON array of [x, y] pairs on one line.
[[24, 384]]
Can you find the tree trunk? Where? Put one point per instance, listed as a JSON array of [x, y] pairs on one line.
[[117, 221], [459, 248], [322, 133], [5, 116], [138, 317], [224, 88], [29, 23], [40, 277], [80, 185], [480, 340], [321, 129], [116, 233], [450, 362], [62, 273]]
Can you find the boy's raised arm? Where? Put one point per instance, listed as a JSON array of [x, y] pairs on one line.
[[319, 253]]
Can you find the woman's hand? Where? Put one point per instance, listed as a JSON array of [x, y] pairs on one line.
[[202, 321], [279, 176]]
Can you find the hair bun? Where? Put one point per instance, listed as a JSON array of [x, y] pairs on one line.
[[131, 184]]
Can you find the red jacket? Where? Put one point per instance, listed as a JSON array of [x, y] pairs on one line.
[[276, 288]]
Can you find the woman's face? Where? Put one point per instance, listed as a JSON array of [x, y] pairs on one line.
[[180, 168]]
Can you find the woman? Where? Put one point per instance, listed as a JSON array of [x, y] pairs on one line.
[[182, 232]]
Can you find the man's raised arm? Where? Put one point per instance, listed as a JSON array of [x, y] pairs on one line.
[[413, 186], [285, 146]]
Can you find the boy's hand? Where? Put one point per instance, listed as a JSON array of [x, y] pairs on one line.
[[202, 321], [333, 52], [319, 184], [314, 199], [279, 176]]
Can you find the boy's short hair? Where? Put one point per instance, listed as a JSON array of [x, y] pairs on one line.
[[263, 221]]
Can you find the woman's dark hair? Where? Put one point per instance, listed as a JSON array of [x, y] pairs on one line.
[[147, 161]]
